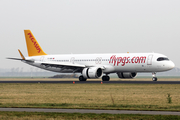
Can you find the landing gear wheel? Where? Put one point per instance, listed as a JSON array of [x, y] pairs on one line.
[[81, 78], [105, 78], [154, 78]]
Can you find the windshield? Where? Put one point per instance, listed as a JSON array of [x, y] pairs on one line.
[[162, 59]]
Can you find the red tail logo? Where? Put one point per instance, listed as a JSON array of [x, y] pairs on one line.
[[34, 42]]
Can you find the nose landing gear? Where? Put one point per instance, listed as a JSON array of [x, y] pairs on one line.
[[154, 76]]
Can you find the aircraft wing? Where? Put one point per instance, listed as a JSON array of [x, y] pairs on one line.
[[74, 67], [65, 67], [61, 64]]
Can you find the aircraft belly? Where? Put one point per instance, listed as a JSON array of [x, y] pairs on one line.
[[127, 68], [109, 69], [141, 68]]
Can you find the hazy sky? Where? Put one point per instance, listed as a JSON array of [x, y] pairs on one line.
[[90, 26]]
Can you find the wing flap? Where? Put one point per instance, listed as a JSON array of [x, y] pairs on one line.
[[60, 64]]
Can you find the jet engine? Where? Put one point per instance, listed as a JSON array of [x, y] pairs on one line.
[[126, 75], [92, 72]]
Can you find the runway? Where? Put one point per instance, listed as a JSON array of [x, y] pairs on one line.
[[96, 82], [90, 111]]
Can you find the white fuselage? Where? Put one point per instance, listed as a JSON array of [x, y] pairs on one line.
[[112, 63]]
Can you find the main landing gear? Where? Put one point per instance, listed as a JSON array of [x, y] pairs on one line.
[[81, 78], [105, 78], [154, 76]]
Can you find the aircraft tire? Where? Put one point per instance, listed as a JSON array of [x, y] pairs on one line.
[[81, 78], [105, 78], [154, 78]]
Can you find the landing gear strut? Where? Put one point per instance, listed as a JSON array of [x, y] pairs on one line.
[[105, 78], [81, 78], [154, 76]]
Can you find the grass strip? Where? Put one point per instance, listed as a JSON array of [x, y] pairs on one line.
[[92, 96]]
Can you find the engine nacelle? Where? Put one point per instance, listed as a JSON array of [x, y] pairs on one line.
[[126, 75], [92, 72]]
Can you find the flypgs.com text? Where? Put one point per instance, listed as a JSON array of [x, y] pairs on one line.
[[125, 60]]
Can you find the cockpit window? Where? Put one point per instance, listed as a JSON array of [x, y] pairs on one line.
[[162, 59]]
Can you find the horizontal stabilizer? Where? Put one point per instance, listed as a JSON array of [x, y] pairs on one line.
[[15, 58], [21, 59]]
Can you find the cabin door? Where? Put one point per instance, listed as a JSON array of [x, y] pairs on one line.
[[149, 61]]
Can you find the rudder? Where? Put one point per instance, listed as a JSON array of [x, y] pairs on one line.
[[33, 47]]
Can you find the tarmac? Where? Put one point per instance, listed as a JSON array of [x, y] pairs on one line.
[[90, 111], [96, 82]]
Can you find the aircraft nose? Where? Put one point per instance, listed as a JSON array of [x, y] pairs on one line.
[[171, 65]]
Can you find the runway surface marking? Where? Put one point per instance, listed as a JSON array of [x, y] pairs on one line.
[[90, 111]]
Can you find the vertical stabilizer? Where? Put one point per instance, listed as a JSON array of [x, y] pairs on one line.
[[33, 47]]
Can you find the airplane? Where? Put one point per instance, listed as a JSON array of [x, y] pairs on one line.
[[92, 66]]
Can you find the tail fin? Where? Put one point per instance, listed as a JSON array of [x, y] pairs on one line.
[[33, 47]]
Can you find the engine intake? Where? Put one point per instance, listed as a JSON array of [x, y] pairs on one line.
[[126, 75], [92, 72]]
